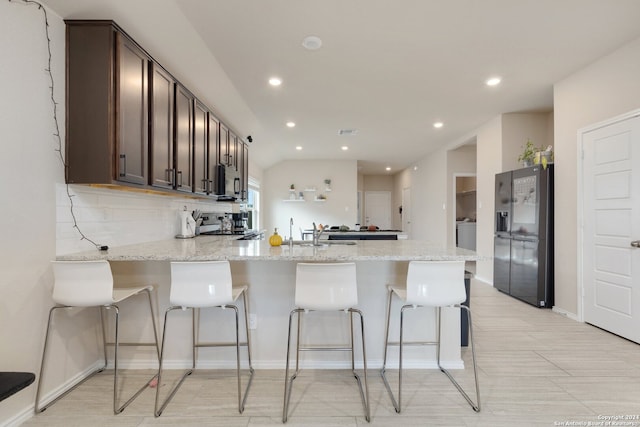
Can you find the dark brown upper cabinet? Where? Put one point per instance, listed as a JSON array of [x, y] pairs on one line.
[[107, 105], [183, 131], [162, 169], [130, 122]]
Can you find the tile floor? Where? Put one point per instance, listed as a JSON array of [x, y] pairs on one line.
[[536, 368]]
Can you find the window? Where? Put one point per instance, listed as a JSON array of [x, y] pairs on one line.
[[253, 204]]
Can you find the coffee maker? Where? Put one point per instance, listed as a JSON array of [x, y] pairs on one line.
[[239, 222]]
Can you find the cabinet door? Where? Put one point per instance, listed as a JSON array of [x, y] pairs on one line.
[[90, 102], [162, 170], [200, 148], [132, 95], [183, 139], [232, 162], [214, 151], [223, 157]]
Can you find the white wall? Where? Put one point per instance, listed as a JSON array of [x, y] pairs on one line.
[[489, 157], [339, 208], [29, 170], [607, 88], [429, 198], [33, 191], [402, 180]]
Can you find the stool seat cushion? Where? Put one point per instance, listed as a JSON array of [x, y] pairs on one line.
[[13, 382]]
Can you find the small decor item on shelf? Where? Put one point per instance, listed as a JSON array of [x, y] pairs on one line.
[[533, 155], [327, 183], [292, 187], [543, 157], [301, 195], [526, 157], [275, 239], [321, 197]]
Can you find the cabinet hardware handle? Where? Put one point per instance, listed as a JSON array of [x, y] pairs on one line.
[[123, 170], [635, 244], [179, 173]]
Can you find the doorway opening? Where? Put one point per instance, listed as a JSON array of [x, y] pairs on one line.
[[465, 202]]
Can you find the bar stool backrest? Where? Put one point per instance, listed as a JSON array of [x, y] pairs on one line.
[[436, 283], [82, 283], [201, 284], [326, 286]]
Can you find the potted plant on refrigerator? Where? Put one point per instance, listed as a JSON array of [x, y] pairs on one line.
[[528, 154]]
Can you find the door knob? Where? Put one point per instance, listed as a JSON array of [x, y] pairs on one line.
[[635, 244]]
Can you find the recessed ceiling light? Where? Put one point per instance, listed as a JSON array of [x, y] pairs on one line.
[[275, 81], [388, 168], [312, 43], [493, 81], [345, 132], [298, 148], [344, 148], [291, 124], [438, 125]]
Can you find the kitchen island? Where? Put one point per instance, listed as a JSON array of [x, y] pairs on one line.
[[270, 274]]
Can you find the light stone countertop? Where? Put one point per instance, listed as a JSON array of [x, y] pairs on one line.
[[212, 248]]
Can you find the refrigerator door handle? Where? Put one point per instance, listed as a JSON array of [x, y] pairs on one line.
[[635, 244], [525, 239]]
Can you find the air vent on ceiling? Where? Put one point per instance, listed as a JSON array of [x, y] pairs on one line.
[[347, 131]]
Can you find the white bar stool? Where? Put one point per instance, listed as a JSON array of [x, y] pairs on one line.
[[90, 284], [326, 287], [430, 284], [196, 285]]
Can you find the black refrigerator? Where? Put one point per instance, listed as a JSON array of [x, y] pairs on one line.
[[523, 238]]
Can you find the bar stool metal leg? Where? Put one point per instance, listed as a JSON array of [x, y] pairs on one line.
[[116, 407], [384, 359], [397, 404], [242, 397], [245, 303], [41, 408], [288, 381], [475, 406], [364, 394]]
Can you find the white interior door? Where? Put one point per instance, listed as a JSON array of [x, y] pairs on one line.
[[377, 209], [611, 263], [406, 212]]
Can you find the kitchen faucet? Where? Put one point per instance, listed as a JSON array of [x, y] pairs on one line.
[[316, 235], [291, 232]]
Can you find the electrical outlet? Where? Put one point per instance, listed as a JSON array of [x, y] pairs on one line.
[[253, 321]]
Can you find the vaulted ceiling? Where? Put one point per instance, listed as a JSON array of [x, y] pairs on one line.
[[388, 69]]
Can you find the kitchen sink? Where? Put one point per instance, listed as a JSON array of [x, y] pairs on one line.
[[322, 242]]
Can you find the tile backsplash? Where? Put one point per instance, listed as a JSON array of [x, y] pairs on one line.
[[115, 217]]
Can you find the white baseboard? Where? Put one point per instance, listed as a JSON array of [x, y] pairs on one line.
[[565, 313], [28, 412], [483, 280]]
